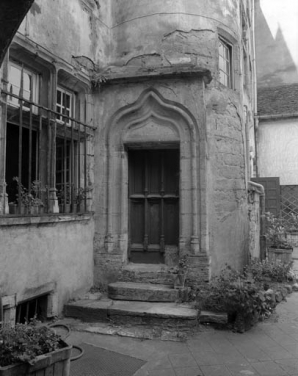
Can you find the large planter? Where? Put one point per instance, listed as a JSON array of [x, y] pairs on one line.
[[280, 254], [55, 363]]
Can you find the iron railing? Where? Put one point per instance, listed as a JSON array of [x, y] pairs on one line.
[[73, 135]]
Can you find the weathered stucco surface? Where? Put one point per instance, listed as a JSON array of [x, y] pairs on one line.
[[35, 255], [70, 28], [277, 150]]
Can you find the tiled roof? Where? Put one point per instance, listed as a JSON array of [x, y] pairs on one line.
[[278, 100]]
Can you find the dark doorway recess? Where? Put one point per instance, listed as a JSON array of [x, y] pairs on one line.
[[153, 204]]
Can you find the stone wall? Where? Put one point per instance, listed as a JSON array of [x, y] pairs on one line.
[[149, 49]]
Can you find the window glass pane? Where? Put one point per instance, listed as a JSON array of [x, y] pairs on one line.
[[224, 64], [26, 82], [221, 63], [67, 101], [59, 96], [15, 76], [63, 100]]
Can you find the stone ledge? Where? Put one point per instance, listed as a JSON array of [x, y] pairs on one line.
[[43, 219], [115, 75]]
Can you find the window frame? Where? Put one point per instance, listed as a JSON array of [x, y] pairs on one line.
[[60, 105], [11, 101], [228, 72]]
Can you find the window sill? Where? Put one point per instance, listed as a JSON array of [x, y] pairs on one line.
[[13, 220]]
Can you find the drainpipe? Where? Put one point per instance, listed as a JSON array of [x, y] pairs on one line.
[[256, 121], [1, 312], [278, 116], [262, 218]]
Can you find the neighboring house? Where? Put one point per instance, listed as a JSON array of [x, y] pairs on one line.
[[145, 115], [277, 131]]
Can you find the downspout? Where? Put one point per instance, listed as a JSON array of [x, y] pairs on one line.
[[1, 312], [289, 115], [261, 189], [256, 120]]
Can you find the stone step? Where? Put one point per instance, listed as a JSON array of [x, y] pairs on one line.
[[165, 315], [147, 273], [142, 291]]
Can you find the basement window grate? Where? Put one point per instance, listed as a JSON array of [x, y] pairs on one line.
[[33, 308]]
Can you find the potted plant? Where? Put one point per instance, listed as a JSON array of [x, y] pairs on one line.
[[81, 199], [23, 196], [180, 272], [30, 202], [31, 349], [279, 248], [64, 196]]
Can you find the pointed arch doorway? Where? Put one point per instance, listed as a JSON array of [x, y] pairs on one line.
[[153, 196]]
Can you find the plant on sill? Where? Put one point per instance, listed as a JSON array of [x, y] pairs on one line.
[[277, 231], [30, 199], [24, 342], [81, 194], [64, 195]]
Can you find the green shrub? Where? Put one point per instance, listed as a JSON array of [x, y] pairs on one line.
[[26, 341], [243, 300], [276, 271]]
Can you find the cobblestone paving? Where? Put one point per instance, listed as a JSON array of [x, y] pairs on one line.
[[269, 349]]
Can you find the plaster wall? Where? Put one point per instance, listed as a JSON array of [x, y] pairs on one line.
[[55, 254], [165, 33], [70, 28], [277, 150]]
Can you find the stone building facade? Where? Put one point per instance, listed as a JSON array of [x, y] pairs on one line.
[[145, 110]]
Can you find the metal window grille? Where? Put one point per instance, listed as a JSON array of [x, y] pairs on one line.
[[289, 203], [33, 308], [40, 169]]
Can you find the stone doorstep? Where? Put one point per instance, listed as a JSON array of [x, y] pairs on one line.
[[139, 313], [142, 292]]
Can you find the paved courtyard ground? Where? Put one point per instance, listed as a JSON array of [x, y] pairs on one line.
[[269, 349]]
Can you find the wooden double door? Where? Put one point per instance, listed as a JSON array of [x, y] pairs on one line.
[[153, 203]]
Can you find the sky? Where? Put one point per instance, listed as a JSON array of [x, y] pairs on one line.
[[283, 13]]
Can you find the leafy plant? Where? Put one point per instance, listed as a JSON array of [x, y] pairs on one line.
[[82, 194], [64, 195], [182, 267], [31, 198], [243, 300], [25, 342], [276, 271], [276, 232]]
